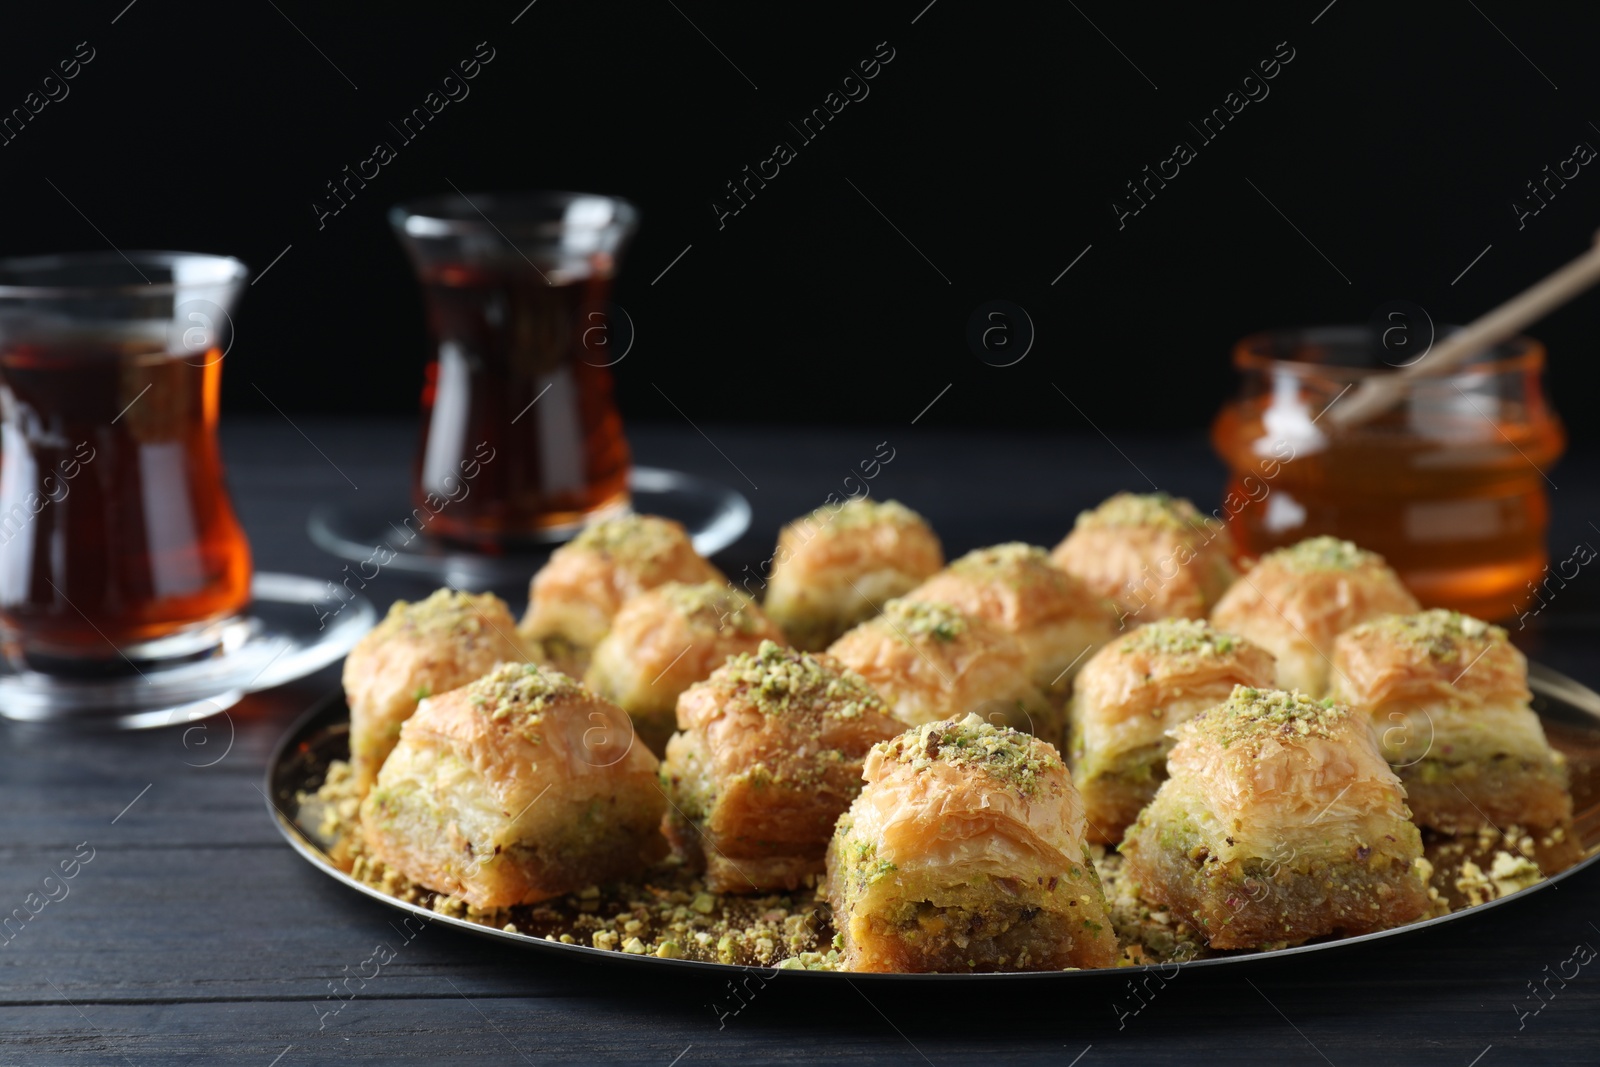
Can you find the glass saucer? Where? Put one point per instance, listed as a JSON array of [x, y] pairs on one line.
[[291, 628], [714, 514]]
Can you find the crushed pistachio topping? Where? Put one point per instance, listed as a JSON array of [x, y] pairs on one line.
[[1009, 756], [1014, 563], [520, 693], [1441, 633], [1324, 554], [712, 603], [446, 612], [916, 618], [863, 512], [1179, 637], [638, 537], [1255, 715], [1160, 510], [1001, 557], [786, 682]]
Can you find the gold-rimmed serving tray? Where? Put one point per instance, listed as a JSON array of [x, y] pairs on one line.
[[1569, 711]]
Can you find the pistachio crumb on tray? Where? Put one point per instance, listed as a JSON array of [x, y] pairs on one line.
[[669, 913]]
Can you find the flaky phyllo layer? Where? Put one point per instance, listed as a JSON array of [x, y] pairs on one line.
[[1448, 699], [1280, 821], [1297, 600], [1142, 685], [1277, 769], [834, 567], [1154, 555], [1131, 694], [1053, 617], [664, 640], [965, 852], [932, 662], [421, 649], [768, 756], [514, 789]]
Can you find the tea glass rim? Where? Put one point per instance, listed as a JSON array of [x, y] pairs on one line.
[[1253, 353], [233, 271], [427, 216]]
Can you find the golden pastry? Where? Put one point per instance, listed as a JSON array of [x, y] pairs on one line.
[[666, 639], [419, 649], [1298, 599], [769, 756], [1154, 554], [965, 852], [519, 787], [1449, 701], [931, 661], [575, 595], [838, 565], [1280, 822], [1051, 614], [1135, 690]]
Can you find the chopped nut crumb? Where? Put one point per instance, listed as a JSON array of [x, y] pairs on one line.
[[1254, 715], [668, 913], [1323, 554], [1179, 637], [1158, 510], [1010, 756]]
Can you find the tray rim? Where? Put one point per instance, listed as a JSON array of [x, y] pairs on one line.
[[1543, 680]]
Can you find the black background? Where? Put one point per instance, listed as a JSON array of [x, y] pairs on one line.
[[994, 142]]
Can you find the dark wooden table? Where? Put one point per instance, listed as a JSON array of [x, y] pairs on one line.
[[195, 934]]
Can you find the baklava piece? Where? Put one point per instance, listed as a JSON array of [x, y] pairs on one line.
[[666, 639], [574, 597], [838, 565], [1449, 701], [932, 661], [519, 787], [1154, 554], [965, 852], [1280, 822], [418, 650], [768, 758], [1298, 599], [1131, 693], [1051, 614]]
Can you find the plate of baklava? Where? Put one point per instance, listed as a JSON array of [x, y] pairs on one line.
[[1136, 749]]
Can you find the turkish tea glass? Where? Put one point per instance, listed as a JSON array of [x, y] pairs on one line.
[[119, 546], [521, 439]]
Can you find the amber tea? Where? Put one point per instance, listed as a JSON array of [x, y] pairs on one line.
[[118, 541], [517, 397], [515, 383]]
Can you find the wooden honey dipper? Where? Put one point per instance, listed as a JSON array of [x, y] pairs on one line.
[[1378, 394]]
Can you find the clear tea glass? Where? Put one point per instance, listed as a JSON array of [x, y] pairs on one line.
[[118, 541], [521, 439], [1449, 485]]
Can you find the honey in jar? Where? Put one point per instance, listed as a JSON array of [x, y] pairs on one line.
[[1450, 484]]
